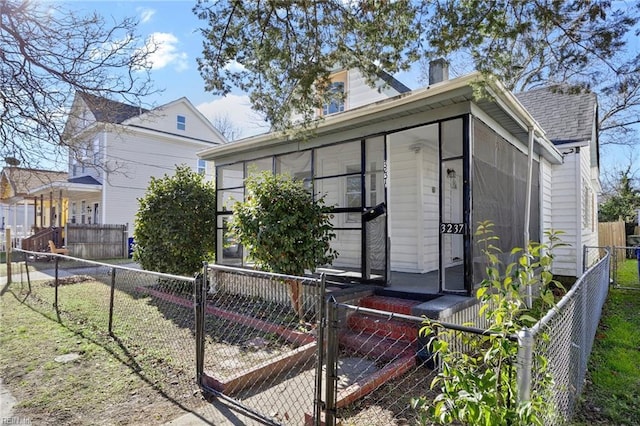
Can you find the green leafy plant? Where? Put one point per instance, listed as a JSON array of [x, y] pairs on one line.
[[477, 384], [175, 223], [282, 228]]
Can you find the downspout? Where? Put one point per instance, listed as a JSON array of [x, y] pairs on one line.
[[105, 179], [527, 210]]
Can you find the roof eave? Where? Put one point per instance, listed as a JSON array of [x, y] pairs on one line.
[[335, 121]]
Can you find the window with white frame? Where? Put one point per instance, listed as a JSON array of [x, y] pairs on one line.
[[586, 205], [96, 151], [202, 167], [182, 122], [336, 102], [74, 212]]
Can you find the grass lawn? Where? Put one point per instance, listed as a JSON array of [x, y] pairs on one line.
[[143, 375], [113, 381], [612, 393]]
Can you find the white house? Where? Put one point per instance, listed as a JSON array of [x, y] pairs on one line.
[[117, 148], [570, 121], [411, 175]]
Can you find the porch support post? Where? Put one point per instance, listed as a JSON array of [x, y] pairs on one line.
[[60, 209], [41, 210], [35, 212], [527, 209], [51, 222]]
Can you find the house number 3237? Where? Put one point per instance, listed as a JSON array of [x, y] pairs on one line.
[[452, 228]]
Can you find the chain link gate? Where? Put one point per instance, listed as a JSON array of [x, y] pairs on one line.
[[259, 342]]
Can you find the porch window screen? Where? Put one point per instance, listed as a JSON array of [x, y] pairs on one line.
[[499, 193], [230, 188], [338, 177]]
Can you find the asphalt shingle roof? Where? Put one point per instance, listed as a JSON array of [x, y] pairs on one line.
[[85, 180], [109, 111], [23, 180], [565, 117]]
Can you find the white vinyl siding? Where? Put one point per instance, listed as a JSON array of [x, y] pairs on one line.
[[135, 159], [431, 207], [405, 216], [566, 215], [360, 93], [589, 208], [546, 212]]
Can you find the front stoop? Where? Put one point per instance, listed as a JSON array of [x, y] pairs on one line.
[[389, 304]]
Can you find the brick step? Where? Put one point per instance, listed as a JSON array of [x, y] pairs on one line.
[[375, 347], [389, 304], [382, 327]]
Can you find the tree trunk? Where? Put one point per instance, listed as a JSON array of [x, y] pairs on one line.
[[296, 297]]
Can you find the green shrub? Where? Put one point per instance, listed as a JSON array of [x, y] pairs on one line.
[[282, 228], [175, 223], [479, 385]]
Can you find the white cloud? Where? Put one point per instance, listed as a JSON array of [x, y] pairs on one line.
[[167, 52], [145, 14], [238, 109], [234, 66]]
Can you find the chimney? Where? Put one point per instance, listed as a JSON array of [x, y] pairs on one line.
[[438, 71]]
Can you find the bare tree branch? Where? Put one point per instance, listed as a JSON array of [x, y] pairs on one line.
[[48, 54]]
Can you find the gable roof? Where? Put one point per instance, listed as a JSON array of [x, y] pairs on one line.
[[393, 82], [565, 117], [110, 111], [23, 180]]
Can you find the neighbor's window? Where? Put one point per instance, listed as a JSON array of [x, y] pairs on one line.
[[202, 167], [336, 104], [586, 205], [96, 151], [182, 122]]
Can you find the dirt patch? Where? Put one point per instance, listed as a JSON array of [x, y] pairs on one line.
[[74, 279]]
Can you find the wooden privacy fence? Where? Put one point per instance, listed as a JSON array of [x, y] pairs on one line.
[[612, 234], [97, 241]]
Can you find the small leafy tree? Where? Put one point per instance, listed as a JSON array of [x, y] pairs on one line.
[[282, 228], [478, 385], [175, 224]]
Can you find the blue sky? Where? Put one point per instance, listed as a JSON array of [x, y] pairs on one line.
[[175, 70], [173, 24]]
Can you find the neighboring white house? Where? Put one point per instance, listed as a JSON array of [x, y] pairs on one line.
[[570, 121], [410, 177], [117, 148]]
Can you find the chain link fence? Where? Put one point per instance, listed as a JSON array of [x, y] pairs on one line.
[[565, 336], [277, 347], [625, 268], [139, 316], [260, 346]]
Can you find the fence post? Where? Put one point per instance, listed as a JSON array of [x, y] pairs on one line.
[[615, 266], [55, 300], [199, 297], [8, 254], [524, 364], [321, 323], [26, 267], [332, 361], [584, 258], [111, 298]]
